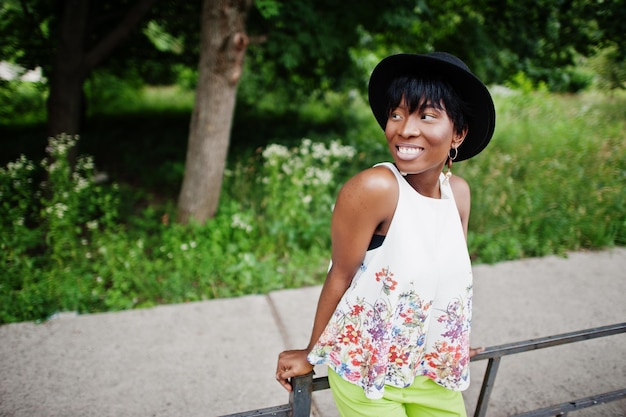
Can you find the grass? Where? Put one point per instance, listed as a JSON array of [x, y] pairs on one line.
[[551, 181]]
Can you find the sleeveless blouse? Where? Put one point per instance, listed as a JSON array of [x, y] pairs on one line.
[[407, 311]]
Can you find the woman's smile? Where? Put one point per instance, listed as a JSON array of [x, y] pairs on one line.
[[408, 152]]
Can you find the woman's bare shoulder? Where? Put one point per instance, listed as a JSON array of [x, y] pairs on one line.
[[378, 179], [372, 192]]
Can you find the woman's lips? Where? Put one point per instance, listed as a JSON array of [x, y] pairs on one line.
[[407, 153]]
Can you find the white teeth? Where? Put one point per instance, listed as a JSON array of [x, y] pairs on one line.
[[407, 150]]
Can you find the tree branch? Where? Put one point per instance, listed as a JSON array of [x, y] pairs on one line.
[[118, 34], [31, 17]]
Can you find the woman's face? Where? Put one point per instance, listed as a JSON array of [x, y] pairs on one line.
[[420, 141]]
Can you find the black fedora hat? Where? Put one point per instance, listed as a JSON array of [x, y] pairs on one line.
[[482, 117]]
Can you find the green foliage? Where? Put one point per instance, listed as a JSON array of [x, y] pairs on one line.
[[551, 181], [111, 95], [65, 248], [553, 178], [105, 91], [48, 214], [162, 40], [268, 8], [523, 84], [23, 98], [186, 78], [295, 192], [308, 45], [609, 67]]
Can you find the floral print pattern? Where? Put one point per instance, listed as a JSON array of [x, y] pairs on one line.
[[407, 311], [377, 344], [450, 357]]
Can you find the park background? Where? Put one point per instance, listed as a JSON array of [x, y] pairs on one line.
[[95, 152]]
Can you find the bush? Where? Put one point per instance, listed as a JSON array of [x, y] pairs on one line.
[[67, 250], [49, 214], [551, 181]]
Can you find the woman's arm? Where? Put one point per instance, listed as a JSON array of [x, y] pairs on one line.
[[365, 205], [462, 197]]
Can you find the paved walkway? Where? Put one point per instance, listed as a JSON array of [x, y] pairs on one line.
[[218, 357]]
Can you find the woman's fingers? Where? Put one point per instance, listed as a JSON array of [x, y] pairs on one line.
[[291, 363], [476, 351], [284, 381]]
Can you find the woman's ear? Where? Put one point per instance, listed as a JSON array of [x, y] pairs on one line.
[[458, 138]]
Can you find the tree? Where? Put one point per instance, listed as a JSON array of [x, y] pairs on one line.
[[68, 39], [308, 44], [223, 45], [75, 58]]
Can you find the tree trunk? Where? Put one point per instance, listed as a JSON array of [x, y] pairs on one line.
[[73, 62], [222, 49], [68, 73]]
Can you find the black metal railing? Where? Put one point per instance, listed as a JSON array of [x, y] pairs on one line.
[[300, 397]]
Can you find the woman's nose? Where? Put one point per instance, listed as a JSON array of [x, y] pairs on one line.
[[410, 127]]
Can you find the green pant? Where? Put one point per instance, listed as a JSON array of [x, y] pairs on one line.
[[423, 398]]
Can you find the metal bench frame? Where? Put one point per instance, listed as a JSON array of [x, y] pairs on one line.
[[300, 397]]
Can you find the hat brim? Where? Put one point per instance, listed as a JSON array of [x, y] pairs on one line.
[[482, 117]]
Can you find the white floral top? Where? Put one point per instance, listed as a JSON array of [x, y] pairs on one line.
[[407, 311]]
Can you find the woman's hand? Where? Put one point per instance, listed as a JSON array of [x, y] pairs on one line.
[[476, 351], [292, 363]]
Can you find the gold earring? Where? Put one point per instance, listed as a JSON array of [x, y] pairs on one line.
[[450, 159]]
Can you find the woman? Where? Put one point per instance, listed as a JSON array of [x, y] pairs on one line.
[[393, 318]]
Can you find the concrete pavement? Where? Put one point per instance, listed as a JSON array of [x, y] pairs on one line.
[[218, 357]]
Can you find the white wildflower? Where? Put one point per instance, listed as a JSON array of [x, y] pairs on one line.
[[317, 176], [287, 168], [80, 182], [319, 151], [340, 151], [306, 146], [274, 152], [324, 176], [58, 210], [240, 223], [86, 163]]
